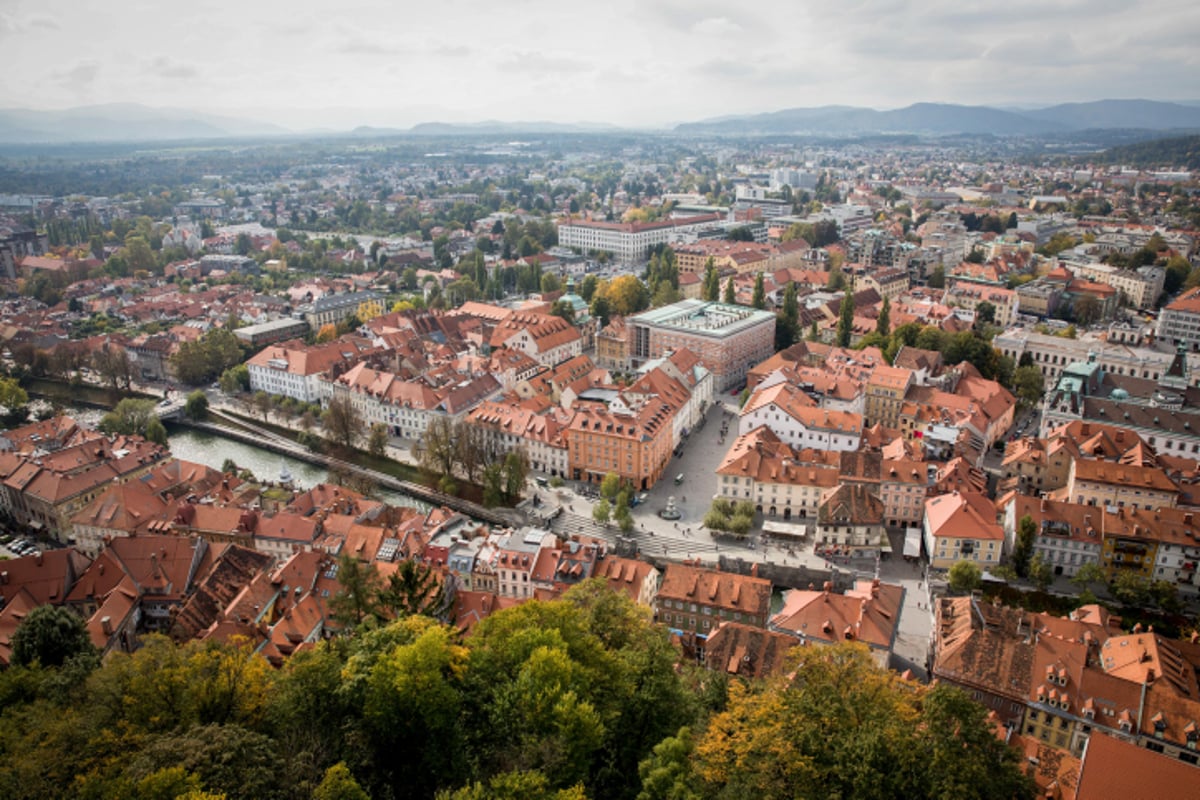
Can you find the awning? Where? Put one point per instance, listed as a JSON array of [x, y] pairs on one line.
[[912, 543]]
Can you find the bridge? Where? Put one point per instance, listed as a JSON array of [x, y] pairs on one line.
[[170, 409]]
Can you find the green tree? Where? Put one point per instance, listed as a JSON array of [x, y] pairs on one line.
[[667, 774], [610, 485], [235, 379], [711, 288], [587, 289], [358, 598], [845, 326], [412, 589], [1023, 549], [196, 406], [602, 511], [730, 292], [339, 784], [1029, 384], [378, 440], [759, 298], [13, 398], [937, 278], [985, 312], [49, 635], [839, 726], [787, 326], [132, 417], [883, 323], [1041, 574], [1088, 575], [965, 576], [516, 469]]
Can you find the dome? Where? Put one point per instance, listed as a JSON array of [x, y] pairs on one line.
[[1119, 394]]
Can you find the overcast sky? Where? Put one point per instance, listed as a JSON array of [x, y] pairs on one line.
[[629, 62]]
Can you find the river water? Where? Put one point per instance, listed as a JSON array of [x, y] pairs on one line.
[[205, 448]]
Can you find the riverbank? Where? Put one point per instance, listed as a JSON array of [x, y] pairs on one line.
[[241, 430], [226, 424]]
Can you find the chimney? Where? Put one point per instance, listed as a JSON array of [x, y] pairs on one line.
[[106, 625], [38, 558]]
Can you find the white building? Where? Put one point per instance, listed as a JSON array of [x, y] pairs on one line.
[[795, 419]]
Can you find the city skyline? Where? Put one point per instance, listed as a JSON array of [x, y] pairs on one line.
[[634, 65]]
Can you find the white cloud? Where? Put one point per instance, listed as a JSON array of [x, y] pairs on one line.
[[628, 61]]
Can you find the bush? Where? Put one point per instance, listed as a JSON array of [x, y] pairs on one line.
[[556, 482], [722, 506], [744, 508]]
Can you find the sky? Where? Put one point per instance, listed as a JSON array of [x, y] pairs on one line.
[[647, 63]]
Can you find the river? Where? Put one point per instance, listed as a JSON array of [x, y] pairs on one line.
[[205, 448]]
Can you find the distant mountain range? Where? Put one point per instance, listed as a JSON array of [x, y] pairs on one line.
[[123, 122], [942, 119], [130, 122]]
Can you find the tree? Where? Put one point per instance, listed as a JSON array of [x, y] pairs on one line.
[[327, 333], [339, 784], [667, 774], [965, 576], [985, 312], [710, 290], [837, 725], [730, 293], [1088, 575], [378, 440], [342, 422], [132, 417], [550, 283], [1086, 310], [114, 367], [1029, 384], [587, 289], [602, 511], [845, 326], [235, 379], [937, 279], [437, 449], [1041, 574], [13, 399], [1130, 588], [358, 598], [264, 404], [1023, 549], [493, 484], [196, 406], [787, 325], [412, 589], [516, 468], [610, 485], [49, 635], [883, 323], [759, 298]]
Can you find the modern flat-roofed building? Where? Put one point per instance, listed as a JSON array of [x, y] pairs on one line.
[[277, 330], [728, 339]]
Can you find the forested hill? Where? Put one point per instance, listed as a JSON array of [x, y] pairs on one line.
[[568, 700], [1181, 152]]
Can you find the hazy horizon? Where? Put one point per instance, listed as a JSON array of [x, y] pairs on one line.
[[629, 64]]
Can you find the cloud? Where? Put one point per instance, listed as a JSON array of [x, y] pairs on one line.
[[451, 50], [11, 24], [165, 67], [535, 62], [717, 26], [78, 77], [727, 69]]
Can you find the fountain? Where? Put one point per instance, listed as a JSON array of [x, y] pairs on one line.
[[670, 512]]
